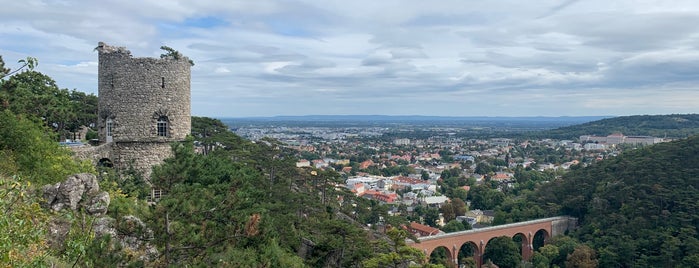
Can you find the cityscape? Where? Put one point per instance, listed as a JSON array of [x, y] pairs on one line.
[[360, 134]]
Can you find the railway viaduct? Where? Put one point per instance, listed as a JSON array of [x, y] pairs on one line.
[[478, 238]]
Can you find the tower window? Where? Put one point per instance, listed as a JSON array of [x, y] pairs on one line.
[[109, 129], [162, 126], [162, 81]]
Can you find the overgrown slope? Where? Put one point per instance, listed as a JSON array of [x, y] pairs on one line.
[[673, 126], [639, 209]]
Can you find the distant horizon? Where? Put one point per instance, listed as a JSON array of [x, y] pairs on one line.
[[418, 115]]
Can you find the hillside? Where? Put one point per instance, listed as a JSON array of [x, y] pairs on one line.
[[636, 210], [671, 126]]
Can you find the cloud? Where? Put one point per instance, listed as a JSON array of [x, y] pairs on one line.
[[272, 57]]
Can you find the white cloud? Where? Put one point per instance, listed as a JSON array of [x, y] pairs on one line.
[[270, 57]]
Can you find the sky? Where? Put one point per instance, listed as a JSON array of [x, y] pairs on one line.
[[387, 57]]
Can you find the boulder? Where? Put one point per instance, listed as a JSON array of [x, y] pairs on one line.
[[77, 191]]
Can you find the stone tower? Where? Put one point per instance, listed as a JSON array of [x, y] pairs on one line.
[[144, 106]]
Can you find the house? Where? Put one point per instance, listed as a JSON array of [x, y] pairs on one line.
[[380, 196], [502, 176], [422, 230], [303, 163], [385, 184], [481, 216], [358, 189], [343, 162], [320, 163], [471, 220], [435, 201], [594, 146], [366, 164]]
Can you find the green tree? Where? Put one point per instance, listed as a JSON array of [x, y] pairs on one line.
[[3, 71], [29, 63], [397, 253], [538, 260], [35, 155], [23, 223], [483, 168], [455, 226], [36, 95], [171, 53], [582, 257], [424, 175], [503, 252], [431, 216], [483, 197]]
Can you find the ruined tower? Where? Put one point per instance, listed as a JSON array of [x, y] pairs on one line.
[[144, 106]]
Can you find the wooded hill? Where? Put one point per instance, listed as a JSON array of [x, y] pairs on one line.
[[639, 209], [671, 126]]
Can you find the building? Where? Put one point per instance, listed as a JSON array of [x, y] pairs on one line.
[[144, 106], [618, 138], [303, 163], [401, 141], [420, 230]]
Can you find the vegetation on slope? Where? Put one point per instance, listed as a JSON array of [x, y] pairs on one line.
[[636, 210], [671, 126]]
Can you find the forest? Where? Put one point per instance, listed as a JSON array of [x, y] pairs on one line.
[[670, 126]]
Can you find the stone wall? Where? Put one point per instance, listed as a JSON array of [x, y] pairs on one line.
[[93, 153], [142, 156], [565, 224], [134, 93]]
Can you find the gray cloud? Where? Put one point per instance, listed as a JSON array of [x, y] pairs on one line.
[[271, 57]]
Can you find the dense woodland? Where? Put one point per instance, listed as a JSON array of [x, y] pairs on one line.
[[639, 209], [230, 202]]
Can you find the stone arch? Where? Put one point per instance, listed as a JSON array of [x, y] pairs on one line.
[[471, 250], [105, 162], [540, 238]]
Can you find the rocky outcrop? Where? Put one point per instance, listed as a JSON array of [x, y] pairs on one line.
[[77, 192], [81, 193], [131, 233]]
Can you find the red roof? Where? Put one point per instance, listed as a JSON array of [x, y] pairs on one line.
[[424, 230]]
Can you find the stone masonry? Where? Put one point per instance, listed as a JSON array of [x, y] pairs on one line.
[[144, 106]]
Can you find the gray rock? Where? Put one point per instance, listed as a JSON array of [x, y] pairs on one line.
[[104, 226], [76, 192], [57, 231], [71, 192], [131, 233], [98, 204]]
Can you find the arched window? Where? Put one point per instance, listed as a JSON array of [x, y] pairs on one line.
[[109, 129], [162, 126]]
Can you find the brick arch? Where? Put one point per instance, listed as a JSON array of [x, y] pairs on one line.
[[546, 236], [450, 255], [525, 246], [476, 251]]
